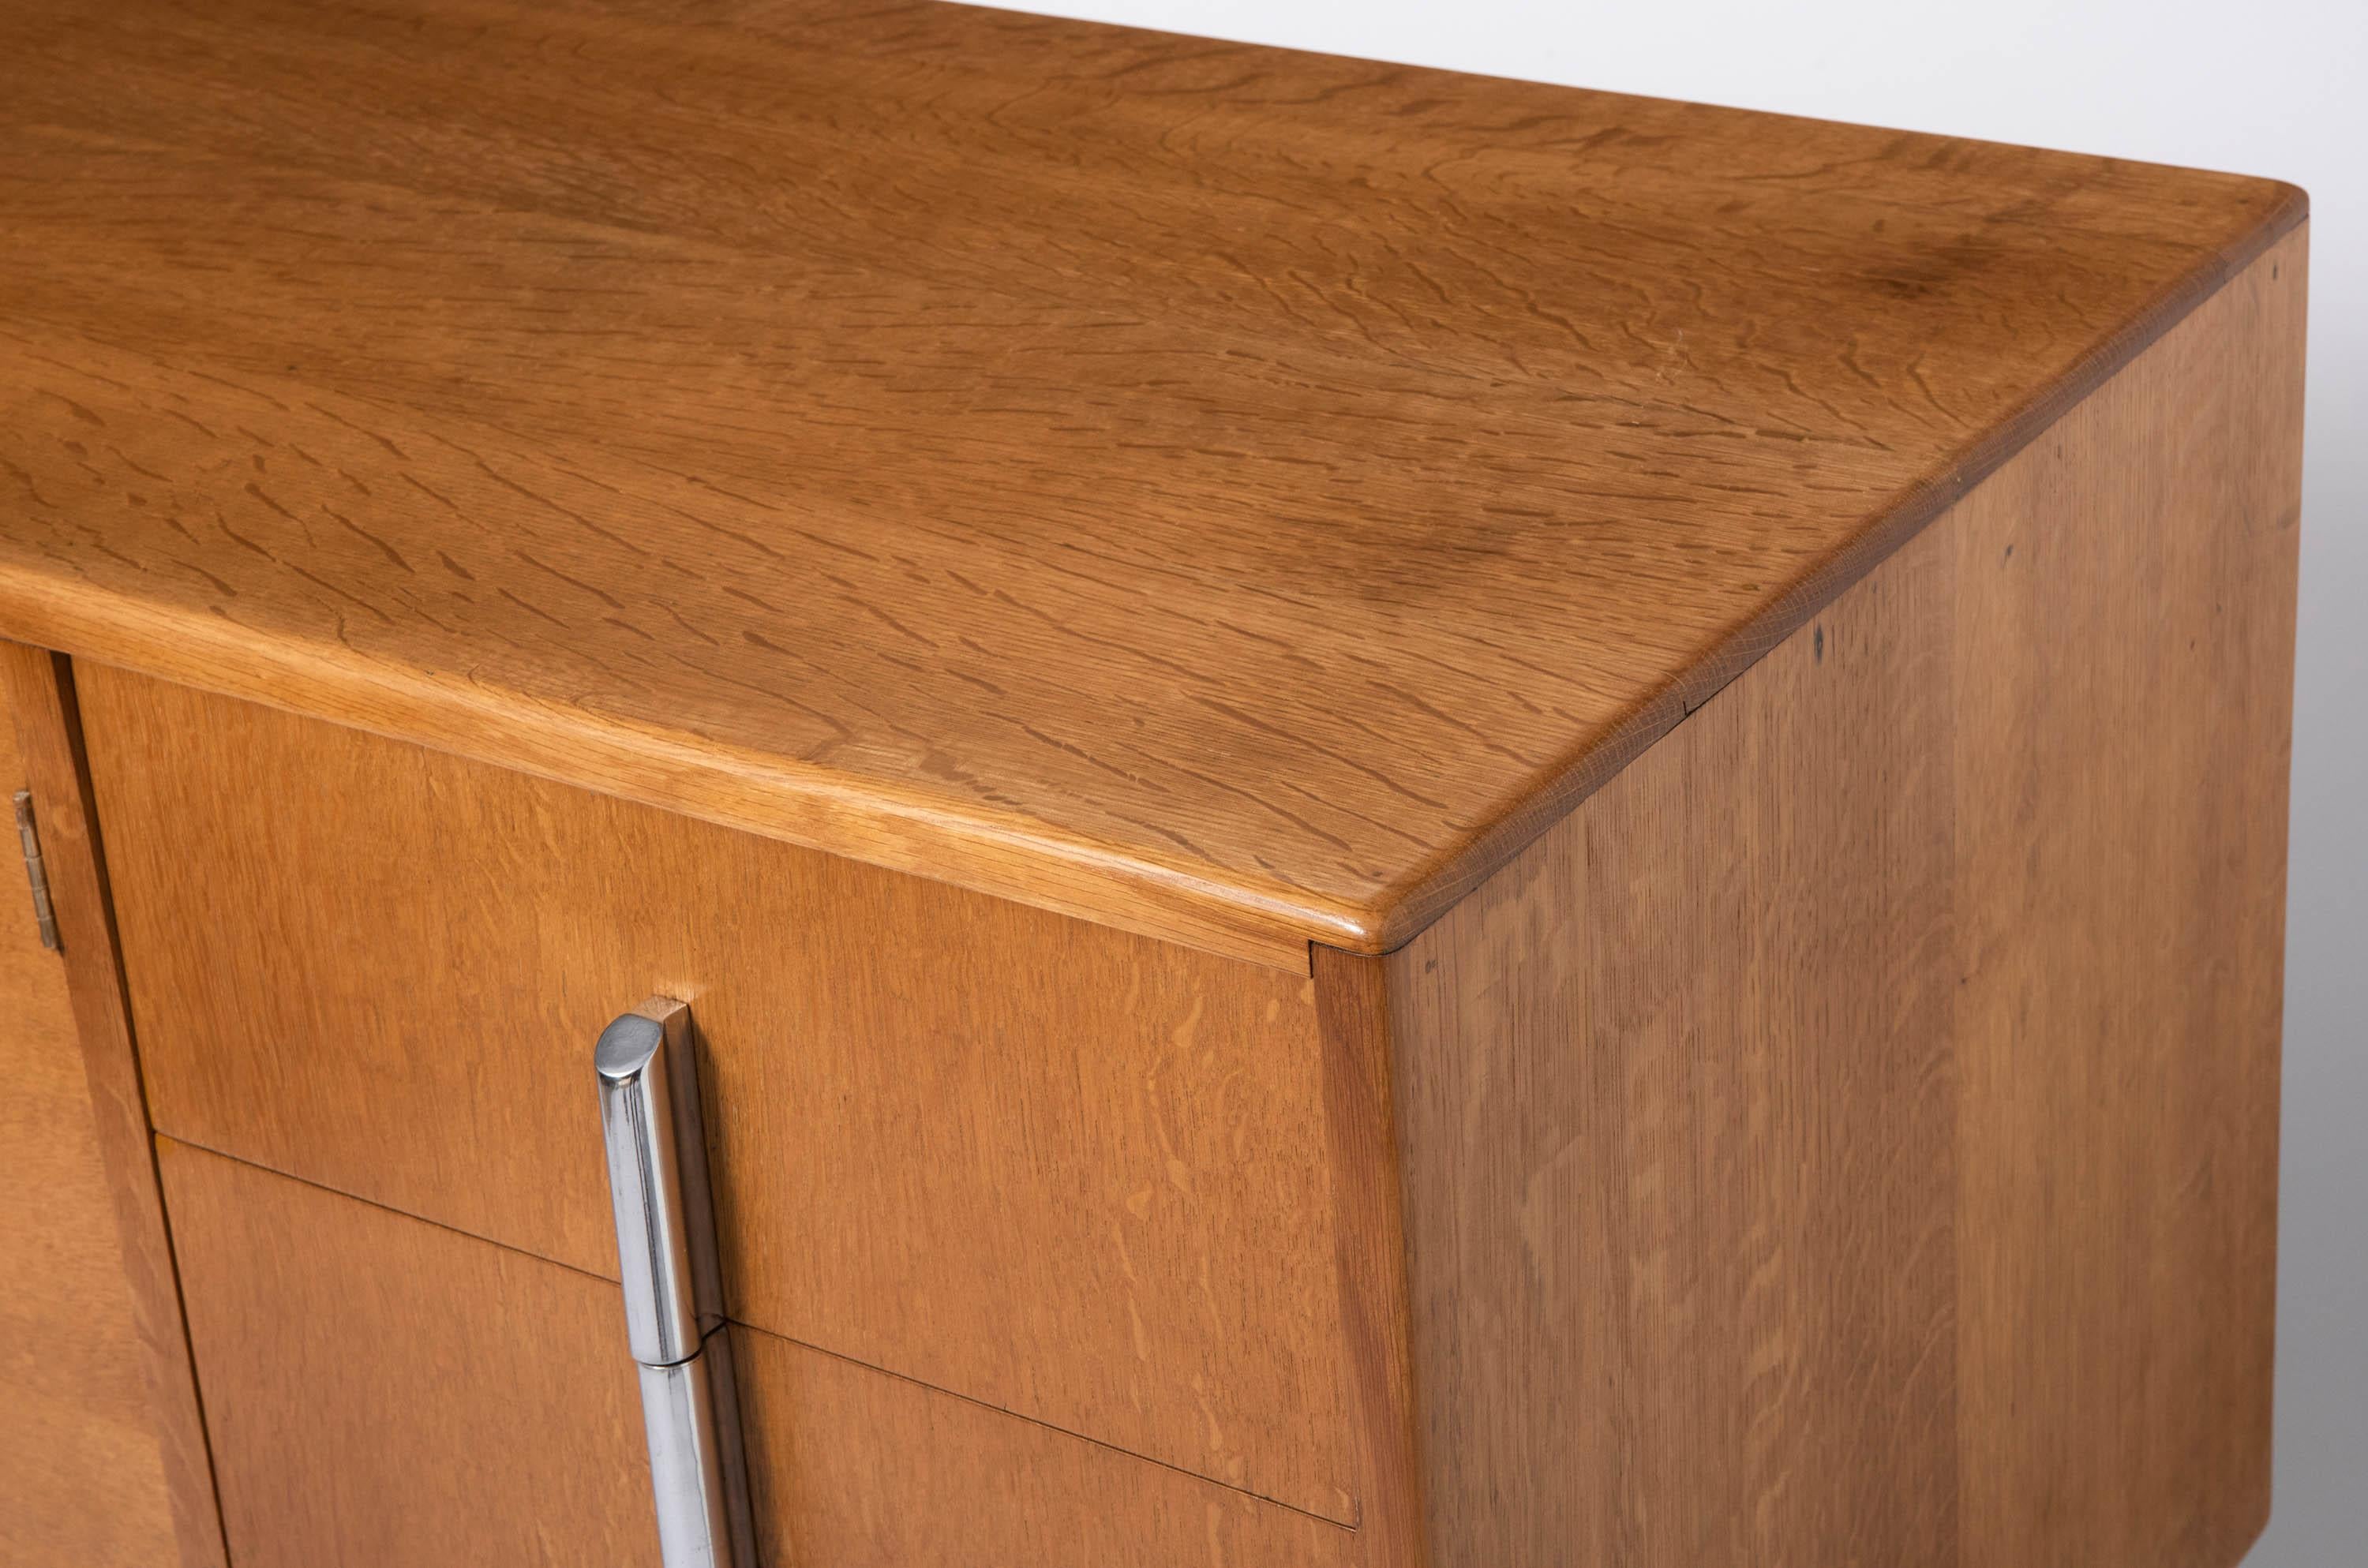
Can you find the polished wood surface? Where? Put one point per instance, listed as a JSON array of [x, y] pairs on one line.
[[1072, 1172], [1851, 1136], [2121, 827], [1678, 1140], [383, 1393], [80, 1477], [388, 1393], [1361, 1134], [1232, 494], [103, 1276], [860, 1470]]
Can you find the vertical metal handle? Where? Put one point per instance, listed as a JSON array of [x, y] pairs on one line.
[[665, 1257]]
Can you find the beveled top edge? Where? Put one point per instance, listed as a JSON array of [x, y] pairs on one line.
[[1426, 899], [1007, 858], [1342, 792]]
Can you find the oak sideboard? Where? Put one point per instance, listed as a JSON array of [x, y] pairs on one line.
[[872, 785]]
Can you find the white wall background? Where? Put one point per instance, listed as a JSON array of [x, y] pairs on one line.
[[2258, 87]]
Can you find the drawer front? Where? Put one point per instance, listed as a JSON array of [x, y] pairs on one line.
[[383, 1393], [1066, 1172]]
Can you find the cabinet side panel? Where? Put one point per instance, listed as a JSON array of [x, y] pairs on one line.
[[2124, 654], [1677, 1106], [1851, 1136], [48, 732], [81, 1476]]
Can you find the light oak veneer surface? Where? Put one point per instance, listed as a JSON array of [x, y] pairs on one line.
[[82, 1478], [89, 1297], [1851, 1136], [1239, 496], [396, 1393], [1068, 1171]]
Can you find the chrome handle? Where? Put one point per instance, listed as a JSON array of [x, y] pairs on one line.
[[637, 1059], [665, 1255]]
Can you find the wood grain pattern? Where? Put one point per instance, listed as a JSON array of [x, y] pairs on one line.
[[1235, 495], [384, 1392], [1362, 1137], [862, 1471], [1075, 1174], [109, 1110], [80, 1477], [1677, 1094], [1850, 1137], [392, 1393], [2120, 944]]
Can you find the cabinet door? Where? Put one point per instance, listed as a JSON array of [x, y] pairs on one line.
[[82, 1478]]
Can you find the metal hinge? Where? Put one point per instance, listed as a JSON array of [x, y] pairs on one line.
[[26, 834]]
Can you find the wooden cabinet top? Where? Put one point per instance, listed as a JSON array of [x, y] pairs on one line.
[[1234, 495]]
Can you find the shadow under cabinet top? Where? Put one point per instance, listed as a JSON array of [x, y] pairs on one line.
[[1231, 493]]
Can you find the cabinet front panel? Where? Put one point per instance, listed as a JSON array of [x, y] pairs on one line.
[[382, 1392], [391, 1394], [81, 1476], [1070, 1173]]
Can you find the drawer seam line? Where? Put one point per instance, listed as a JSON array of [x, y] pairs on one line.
[[776, 1336]]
